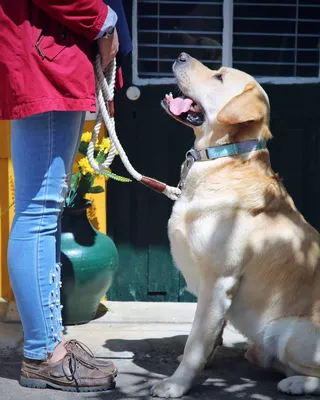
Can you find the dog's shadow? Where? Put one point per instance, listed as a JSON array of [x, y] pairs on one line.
[[230, 376]]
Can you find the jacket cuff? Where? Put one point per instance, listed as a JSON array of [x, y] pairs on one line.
[[110, 22], [101, 18]]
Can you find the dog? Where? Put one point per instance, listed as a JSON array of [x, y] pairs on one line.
[[235, 234]]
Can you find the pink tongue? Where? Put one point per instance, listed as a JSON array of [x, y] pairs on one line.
[[179, 105]]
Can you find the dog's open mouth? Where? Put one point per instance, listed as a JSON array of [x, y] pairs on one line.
[[184, 109]]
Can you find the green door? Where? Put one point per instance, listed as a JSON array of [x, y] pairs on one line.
[[137, 216], [156, 146]]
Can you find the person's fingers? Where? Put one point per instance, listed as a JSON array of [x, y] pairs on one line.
[[105, 61], [113, 54], [108, 48]]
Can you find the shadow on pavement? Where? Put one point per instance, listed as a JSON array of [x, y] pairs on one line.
[[231, 376]]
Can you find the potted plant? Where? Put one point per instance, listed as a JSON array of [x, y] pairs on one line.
[[89, 258]]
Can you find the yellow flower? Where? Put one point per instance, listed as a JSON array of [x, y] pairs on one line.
[[85, 166], [105, 145], [86, 137]]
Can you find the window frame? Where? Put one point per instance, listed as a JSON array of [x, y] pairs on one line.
[[227, 51]]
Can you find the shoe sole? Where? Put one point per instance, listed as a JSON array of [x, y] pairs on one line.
[[42, 384]]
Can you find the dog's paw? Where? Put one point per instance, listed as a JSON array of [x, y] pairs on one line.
[[169, 388], [300, 385]]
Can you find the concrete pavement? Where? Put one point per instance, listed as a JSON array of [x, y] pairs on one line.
[[144, 339]]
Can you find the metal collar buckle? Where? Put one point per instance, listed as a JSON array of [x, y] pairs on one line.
[[192, 156]]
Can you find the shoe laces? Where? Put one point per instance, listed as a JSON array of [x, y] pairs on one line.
[[74, 363], [81, 346]]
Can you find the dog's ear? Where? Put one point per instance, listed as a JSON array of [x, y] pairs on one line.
[[250, 105]]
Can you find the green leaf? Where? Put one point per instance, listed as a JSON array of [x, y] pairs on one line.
[[96, 189], [85, 184], [89, 178], [83, 147], [115, 177], [74, 187], [75, 179], [100, 158]]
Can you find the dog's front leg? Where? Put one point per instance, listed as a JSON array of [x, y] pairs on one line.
[[213, 302]]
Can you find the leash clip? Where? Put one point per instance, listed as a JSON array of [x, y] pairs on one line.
[[192, 156]]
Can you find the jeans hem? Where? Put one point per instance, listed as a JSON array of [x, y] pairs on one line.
[[41, 355]]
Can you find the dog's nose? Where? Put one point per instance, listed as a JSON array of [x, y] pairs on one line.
[[183, 58]]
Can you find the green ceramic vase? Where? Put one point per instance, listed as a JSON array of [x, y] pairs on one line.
[[89, 260]]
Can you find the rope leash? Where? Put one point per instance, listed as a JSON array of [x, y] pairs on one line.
[[105, 84]]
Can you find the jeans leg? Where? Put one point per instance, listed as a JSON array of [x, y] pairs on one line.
[[43, 148], [69, 173], [58, 233]]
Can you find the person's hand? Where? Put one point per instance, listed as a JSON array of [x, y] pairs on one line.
[[108, 48]]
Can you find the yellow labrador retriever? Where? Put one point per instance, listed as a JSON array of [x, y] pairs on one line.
[[237, 237]]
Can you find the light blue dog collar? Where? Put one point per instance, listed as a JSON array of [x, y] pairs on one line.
[[227, 150], [212, 153]]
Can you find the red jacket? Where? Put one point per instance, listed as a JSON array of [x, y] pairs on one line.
[[46, 55]]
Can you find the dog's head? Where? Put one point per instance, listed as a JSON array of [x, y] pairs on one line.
[[224, 105]]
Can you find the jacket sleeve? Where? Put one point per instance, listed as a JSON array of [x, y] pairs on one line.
[[84, 17]]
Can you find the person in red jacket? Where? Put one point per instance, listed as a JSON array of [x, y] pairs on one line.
[[46, 85]]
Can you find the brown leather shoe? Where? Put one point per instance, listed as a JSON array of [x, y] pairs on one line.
[[83, 351], [72, 374]]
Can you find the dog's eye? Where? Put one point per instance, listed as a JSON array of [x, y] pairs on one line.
[[219, 77]]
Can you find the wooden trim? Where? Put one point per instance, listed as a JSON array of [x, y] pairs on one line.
[[6, 199]]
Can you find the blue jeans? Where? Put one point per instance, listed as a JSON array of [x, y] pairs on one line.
[[43, 149]]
